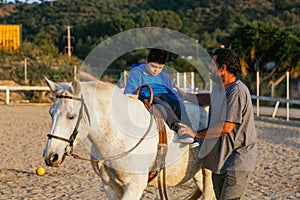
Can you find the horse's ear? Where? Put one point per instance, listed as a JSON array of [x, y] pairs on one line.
[[51, 85], [76, 86]]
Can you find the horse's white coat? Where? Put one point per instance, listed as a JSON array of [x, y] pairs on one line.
[[116, 124]]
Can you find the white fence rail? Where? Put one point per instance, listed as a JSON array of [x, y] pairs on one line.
[[278, 101], [281, 100], [263, 98], [20, 88]]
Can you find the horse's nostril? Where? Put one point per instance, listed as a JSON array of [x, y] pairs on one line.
[[54, 158]]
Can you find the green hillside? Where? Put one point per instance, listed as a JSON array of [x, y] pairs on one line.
[[259, 30], [94, 20]]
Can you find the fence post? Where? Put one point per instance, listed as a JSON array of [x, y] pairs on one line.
[[192, 81], [287, 95], [275, 109], [25, 71], [257, 93], [75, 72], [184, 80], [7, 96]]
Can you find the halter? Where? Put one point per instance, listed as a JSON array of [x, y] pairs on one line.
[[71, 140]]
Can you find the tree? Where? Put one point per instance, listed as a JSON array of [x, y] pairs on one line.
[[259, 44]]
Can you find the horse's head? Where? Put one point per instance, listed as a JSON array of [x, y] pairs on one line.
[[66, 113]]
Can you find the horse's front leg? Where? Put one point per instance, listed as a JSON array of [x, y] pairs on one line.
[[113, 191], [203, 180], [135, 187], [208, 190]]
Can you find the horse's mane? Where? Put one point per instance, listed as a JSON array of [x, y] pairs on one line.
[[66, 88], [99, 85], [104, 85]]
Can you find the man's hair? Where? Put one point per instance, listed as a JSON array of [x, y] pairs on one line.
[[229, 58], [157, 55]]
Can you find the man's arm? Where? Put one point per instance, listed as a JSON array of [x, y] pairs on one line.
[[215, 131]]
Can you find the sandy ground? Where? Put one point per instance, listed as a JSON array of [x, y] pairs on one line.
[[23, 131]]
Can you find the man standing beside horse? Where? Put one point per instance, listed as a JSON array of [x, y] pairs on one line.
[[229, 147]]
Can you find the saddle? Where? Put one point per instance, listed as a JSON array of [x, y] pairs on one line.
[[162, 145]]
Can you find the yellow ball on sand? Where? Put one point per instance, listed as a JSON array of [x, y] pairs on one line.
[[40, 171]]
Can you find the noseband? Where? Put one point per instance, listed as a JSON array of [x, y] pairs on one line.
[[75, 132]]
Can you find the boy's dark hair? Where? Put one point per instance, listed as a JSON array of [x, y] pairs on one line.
[[229, 58], [157, 55]]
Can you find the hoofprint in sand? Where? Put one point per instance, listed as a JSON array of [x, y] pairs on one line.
[[23, 131]]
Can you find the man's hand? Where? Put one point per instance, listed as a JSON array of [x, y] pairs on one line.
[[185, 130]]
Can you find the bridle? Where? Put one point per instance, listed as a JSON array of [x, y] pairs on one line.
[[71, 140]]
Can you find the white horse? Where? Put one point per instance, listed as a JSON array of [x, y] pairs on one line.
[[111, 125]]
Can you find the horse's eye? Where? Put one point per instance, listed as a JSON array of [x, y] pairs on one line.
[[70, 117]]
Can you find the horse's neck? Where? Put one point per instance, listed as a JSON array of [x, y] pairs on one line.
[[97, 92], [114, 116], [98, 98]]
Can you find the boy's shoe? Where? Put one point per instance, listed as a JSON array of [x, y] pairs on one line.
[[194, 145], [197, 142], [186, 139]]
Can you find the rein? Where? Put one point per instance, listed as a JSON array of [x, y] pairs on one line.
[[69, 152], [75, 156], [162, 147]]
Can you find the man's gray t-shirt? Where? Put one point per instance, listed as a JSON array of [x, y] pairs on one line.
[[236, 150]]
